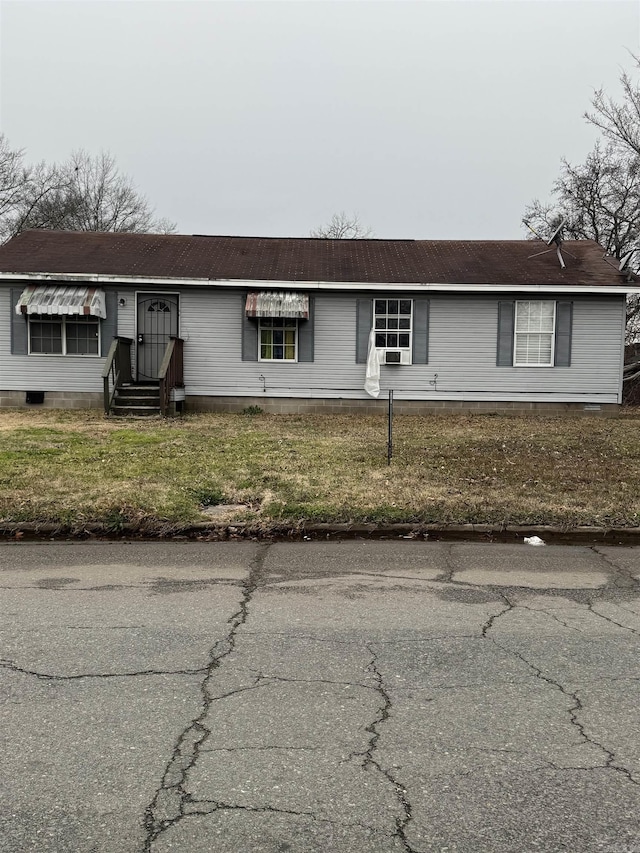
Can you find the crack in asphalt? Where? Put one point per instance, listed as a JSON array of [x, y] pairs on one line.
[[573, 710], [447, 575], [45, 676], [509, 606], [635, 613], [167, 807], [369, 761], [266, 748], [550, 615], [620, 570], [613, 621], [388, 575], [203, 808], [282, 678]]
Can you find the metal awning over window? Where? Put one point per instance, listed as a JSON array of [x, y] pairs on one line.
[[49, 299], [278, 304]]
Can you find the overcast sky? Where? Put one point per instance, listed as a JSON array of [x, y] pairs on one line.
[[430, 119]]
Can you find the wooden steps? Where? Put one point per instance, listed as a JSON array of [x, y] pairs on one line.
[[137, 401]]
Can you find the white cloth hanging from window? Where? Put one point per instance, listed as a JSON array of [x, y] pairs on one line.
[[372, 375]]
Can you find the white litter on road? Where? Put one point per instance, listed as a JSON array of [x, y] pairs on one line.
[[533, 540]]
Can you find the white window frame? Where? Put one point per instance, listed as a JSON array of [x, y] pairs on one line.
[[384, 349], [283, 320], [516, 333], [63, 319]]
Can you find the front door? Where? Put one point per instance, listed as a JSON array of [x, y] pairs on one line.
[[157, 321]]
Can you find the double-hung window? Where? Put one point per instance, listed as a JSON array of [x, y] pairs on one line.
[[534, 330], [393, 322], [62, 335], [398, 328], [278, 337]]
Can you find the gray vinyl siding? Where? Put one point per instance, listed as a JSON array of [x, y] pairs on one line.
[[127, 321], [44, 372], [127, 314], [462, 352]]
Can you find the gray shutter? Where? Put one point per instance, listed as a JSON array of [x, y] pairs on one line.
[[306, 335], [249, 334], [19, 332], [110, 325], [504, 357], [420, 353], [564, 323], [364, 321]]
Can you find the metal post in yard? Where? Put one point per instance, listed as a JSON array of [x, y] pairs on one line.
[[390, 439]]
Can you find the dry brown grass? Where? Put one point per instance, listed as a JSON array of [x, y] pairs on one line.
[[73, 468]]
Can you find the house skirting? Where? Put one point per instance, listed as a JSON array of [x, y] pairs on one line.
[[52, 400], [294, 405], [327, 406]]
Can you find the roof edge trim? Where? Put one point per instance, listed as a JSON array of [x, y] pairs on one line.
[[318, 285]]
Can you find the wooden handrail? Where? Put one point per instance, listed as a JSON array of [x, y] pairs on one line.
[[110, 358], [166, 359], [109, 372], [117, 369], [171, 372]]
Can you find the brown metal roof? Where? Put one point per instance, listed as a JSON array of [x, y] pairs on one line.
[[459, 262]]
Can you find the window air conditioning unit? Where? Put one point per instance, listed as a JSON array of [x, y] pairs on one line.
[[397, 356]]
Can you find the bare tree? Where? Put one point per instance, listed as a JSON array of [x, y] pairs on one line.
[[598, 200], [85, 193], [94, 195], [13, 177], [21, 186], [619, 121], [342, 226], [38, 205]]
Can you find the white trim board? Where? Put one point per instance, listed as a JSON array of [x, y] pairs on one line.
[[404, 287]]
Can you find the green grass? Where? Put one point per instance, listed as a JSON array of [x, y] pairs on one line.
[[78, 468]]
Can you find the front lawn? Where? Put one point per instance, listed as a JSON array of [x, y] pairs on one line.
[[75, 468]]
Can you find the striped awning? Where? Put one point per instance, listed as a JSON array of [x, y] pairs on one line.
[[278, 304], [50, 299]]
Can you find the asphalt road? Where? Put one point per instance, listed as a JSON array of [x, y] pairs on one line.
[[356, 697]]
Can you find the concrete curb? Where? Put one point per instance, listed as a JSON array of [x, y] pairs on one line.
[[216, 531]]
